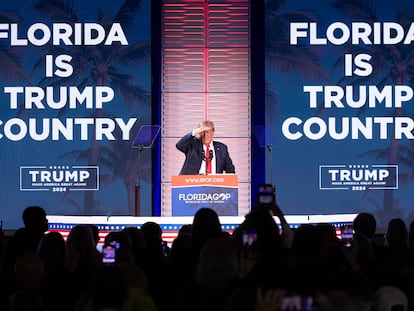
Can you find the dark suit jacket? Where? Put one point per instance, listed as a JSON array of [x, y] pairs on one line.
[[192, 147]]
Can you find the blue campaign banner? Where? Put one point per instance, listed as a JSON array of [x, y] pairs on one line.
[[339, 106], [75, 90], [188, 200]]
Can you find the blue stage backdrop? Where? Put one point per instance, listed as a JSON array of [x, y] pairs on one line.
[[75, 89], [339, 102]]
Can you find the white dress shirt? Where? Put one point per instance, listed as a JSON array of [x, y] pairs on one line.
[[213, 161]]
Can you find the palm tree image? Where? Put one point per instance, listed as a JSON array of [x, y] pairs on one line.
[[303, 63], [120, 162], [10, 62], [283, 57], [100, 65], [132, 166], [392, 65]]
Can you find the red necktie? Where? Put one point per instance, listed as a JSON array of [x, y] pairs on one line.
[[208, 160]]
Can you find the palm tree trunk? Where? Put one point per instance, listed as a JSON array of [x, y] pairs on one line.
[[90, 206], [388, 198], [132, 198]]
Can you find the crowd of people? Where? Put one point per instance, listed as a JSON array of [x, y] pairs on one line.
[[261, 266]]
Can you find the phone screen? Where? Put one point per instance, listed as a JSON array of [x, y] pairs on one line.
[[297, 303], [250, 243], [347, 235], [108, 254], [266, 193], [266, 188]]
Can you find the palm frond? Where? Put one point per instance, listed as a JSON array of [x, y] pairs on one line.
[[357, 9], [60, 10], [126, 12]]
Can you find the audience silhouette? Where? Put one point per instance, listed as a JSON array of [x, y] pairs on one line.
[[155, 268], [28, 275], [263, 265], [215, 277], [82, 256], [24, 240], [58, 288]]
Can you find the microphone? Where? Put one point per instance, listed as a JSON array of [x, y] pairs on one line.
[[210, 156], [203, 155]]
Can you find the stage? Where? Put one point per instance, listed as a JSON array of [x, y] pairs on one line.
[[171, 225]]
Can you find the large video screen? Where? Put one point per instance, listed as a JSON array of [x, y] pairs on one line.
[[75, 90], [339, 101]]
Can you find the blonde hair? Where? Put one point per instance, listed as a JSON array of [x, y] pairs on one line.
[[207, 123]]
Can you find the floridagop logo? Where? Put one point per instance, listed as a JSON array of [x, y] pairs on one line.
[[204, 197]]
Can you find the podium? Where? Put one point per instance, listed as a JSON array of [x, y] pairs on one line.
[[219, 192]]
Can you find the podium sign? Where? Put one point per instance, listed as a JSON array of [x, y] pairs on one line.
[[192, 192]]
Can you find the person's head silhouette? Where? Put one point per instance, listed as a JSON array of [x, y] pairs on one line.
[[34, 219]]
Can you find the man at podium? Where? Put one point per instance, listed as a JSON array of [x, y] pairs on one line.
[[203, 155]]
